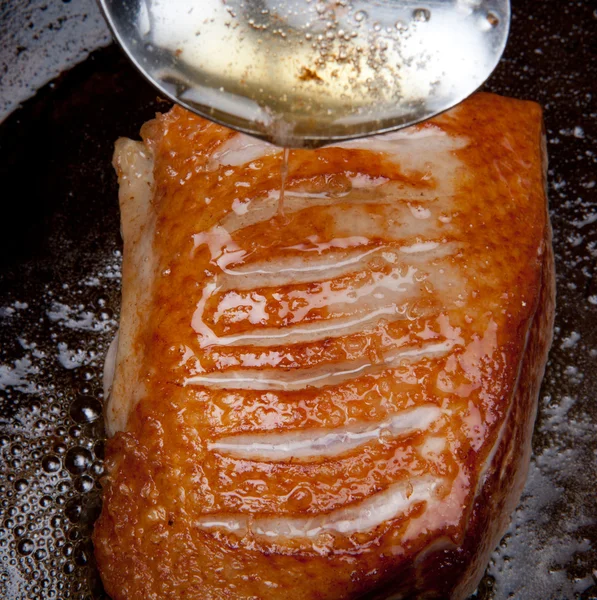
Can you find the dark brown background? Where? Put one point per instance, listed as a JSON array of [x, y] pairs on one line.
[[59, 295]]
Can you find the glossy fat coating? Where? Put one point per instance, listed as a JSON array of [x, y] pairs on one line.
[[337, 401]]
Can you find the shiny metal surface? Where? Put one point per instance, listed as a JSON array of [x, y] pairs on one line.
[[303, 72]]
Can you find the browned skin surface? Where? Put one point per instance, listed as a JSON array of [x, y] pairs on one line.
[[162, 477]]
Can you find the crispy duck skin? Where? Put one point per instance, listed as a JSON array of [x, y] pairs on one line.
[[331, 398]]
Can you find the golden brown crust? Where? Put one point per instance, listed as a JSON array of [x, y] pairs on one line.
[[164, 477]]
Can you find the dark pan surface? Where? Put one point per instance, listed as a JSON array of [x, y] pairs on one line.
[[59, 301]]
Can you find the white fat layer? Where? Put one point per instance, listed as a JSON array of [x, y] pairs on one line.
[[388, 195], [358, 518], [301, 269], [318, 377], [135, 166], [311, 332], [338, 297], [419, 247], [242, 149], [311, 266], [110, 366], [427, 151], [393, 220], [432, 447], [441, 511], [321, 443], [295, 334], [407, 146]]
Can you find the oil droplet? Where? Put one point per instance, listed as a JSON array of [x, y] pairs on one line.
[[51, 463], [97, 468], [75, 431], [60, 448], [98, 449], [421, 14], [16, 450], [68, 568], [386, 435], [360, 16], [300, 498], [40, 554], [21, 485], [283, 178], [84, 484], [25, 547], [82, 554], [56, 522], [78, 460], [85, 409], [73, 510]]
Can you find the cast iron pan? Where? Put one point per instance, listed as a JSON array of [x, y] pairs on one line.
[[60, 255]]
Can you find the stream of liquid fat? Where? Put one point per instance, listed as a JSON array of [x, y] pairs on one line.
[[283, 179]]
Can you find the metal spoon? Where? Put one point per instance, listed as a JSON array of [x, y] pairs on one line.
[[308, 72]]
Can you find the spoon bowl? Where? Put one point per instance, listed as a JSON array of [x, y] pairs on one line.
[[310, 72]]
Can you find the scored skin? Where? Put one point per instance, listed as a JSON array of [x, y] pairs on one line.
[[161, 478]]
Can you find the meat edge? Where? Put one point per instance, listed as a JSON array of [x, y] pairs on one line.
[[122, 381], [454, 570], [509, 468]]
